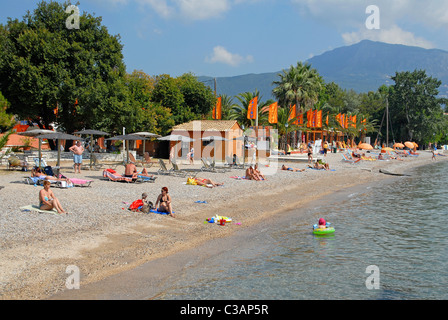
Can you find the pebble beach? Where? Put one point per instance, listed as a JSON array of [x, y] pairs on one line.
[[101, 237]]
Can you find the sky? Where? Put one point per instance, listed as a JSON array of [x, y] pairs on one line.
[[221, 38]]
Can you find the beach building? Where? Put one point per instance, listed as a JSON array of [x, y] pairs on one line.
[[215, 139]]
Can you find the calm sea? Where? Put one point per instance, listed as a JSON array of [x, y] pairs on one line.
[[400, 226]]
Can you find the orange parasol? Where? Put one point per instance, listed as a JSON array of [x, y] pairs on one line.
[[365, 146], [398, 145], [409, 144]]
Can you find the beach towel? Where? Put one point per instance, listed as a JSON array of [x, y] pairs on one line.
[[36, 208], [239, 178], [321, 169], [159, 212]]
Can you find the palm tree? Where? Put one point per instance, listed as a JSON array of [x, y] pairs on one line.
[[298, 86], [239, 112]]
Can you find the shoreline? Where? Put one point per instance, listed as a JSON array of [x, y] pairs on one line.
[[130, 240]]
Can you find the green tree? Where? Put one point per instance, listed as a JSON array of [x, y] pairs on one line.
[[198, 97], [239, 111], [44, 65], [414, 106]]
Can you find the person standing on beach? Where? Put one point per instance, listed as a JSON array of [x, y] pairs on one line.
[[310, 154], [77, 150]]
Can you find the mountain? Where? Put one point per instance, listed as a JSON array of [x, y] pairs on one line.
[[363, 67]]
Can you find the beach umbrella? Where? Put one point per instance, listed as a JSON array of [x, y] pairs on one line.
[[58, 136], [415, 144], [387, 149], [365, 146], [127, 138], [91, 132], [409, 144], [398, 145], [146, 135], [35, 133], [176, 137]]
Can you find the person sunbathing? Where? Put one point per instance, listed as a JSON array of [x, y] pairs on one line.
[[292, 169], [37, 173], [145, 173], [319, 166], [130, 171], [47, 199], [203, 182]]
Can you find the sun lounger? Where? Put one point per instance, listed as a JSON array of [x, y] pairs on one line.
[[209, 168], [163, 169], [351, 161], [147, 163], [146, 178]]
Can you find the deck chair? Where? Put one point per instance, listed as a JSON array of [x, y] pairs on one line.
[[40, 182], [219, 168], [147, 162], [14, 162], [132, 159], [163, 169], [206, 166], [345, 158], [183, 172], [114, 176]]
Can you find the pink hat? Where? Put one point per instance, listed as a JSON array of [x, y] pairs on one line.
[[322, 222]]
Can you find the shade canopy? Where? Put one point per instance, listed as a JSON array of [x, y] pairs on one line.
[[34, 132], [409, 144], [129, 137], [58, 136], [214, 138], [365, 146], [398, 145], [147, 134], [92, 132], [176, 137]]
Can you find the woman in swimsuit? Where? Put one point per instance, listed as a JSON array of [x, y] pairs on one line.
[[47, 200], [205, 182], [164, 201]]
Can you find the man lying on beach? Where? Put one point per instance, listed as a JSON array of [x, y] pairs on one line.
[[319, 166], [292, 169]]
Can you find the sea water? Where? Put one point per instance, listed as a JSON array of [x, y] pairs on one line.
[[398, 227]]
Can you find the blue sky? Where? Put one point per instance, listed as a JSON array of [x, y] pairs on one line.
[[234, 37]]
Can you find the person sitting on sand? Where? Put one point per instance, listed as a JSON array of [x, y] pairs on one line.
[[203, 182], [164, 202], [251, 175], [130, 170], [47, 199], [258, 172], [292, 169]]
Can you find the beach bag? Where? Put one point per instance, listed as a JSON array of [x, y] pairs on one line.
[[136, 205], [48, 171]]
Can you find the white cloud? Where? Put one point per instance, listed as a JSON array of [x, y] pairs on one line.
[[188, 9], [394, 35], [221, 55]]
